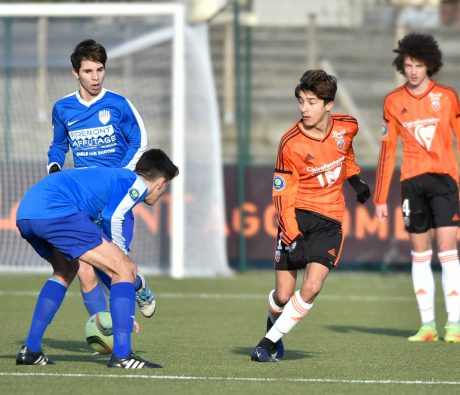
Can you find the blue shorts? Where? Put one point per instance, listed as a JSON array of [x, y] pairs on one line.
[[72, 235]]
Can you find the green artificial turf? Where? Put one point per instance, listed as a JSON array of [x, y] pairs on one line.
[[353, 341]]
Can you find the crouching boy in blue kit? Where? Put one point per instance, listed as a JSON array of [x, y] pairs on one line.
[[56, 217]]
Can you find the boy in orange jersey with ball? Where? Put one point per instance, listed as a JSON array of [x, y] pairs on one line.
[[315, 157]]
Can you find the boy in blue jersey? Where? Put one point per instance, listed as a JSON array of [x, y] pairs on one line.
[[56, 217], [103, 129]]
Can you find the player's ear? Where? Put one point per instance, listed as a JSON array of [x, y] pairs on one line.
[[161, 182], [75, 74], [329, 106]]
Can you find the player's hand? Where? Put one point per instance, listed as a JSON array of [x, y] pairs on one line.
[[296, 255], [381, 212], [54, 168], [363, 192]]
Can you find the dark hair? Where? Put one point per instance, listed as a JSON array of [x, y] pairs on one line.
[[422, 47], [154, 164], [321, 84], [88, 50]]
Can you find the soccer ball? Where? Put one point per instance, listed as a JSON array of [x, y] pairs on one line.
[[99, 332]]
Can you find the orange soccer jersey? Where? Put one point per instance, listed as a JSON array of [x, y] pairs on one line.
[[426, 124], [309, 173]]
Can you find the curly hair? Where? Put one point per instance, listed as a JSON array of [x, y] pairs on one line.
[[422, 47], [323, 85]]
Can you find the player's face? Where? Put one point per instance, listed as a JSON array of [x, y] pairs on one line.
[[415, 72], [91, 77], [158, 190], [314, 111]]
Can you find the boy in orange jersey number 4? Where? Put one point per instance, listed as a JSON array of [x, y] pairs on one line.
[[315, 157], [425, 114]]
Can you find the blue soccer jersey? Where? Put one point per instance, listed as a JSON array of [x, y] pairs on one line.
[[105, 132], [104, 194]]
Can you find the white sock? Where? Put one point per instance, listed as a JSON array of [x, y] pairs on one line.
[[423, 281], [451, 283], [293, 312], [274, 310]]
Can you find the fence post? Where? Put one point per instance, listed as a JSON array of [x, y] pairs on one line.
[[229, 73], [243, 66], [7, 139], [42, 54]]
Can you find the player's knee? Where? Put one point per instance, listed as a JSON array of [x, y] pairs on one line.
[[67, 273], [446, 245], [88, 279], [282, 297], [86, 273], [310, 289], [125, 269]]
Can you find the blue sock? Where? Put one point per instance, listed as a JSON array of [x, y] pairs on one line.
[[122, 308], [138, 284], [48, 302], [104, 278], [95, 300]]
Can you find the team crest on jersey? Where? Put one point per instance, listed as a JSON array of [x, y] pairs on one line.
[[133, 193], [435, 101], [339, 140], [104, 116], [279, 183], [384, 130]]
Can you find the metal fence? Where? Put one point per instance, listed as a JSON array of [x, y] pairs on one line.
[[259, 58]]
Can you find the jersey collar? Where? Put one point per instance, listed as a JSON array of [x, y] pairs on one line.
[[423, 94], [91, 102], [310, 136]]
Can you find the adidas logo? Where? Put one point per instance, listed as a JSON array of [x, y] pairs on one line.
[[404, 111], [421, 292], [332, 252], [308, 158], [455, 217], [41, 360]]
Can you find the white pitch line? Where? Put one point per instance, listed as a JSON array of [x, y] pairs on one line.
[[210, 378], [168, 295]]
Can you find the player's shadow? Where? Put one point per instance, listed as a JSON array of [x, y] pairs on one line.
[[67, 345], [85, 352], [87, 358], [52, 347], [288, 354], [374, 331]]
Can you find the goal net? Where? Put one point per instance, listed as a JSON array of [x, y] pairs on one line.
[[163, 67]]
